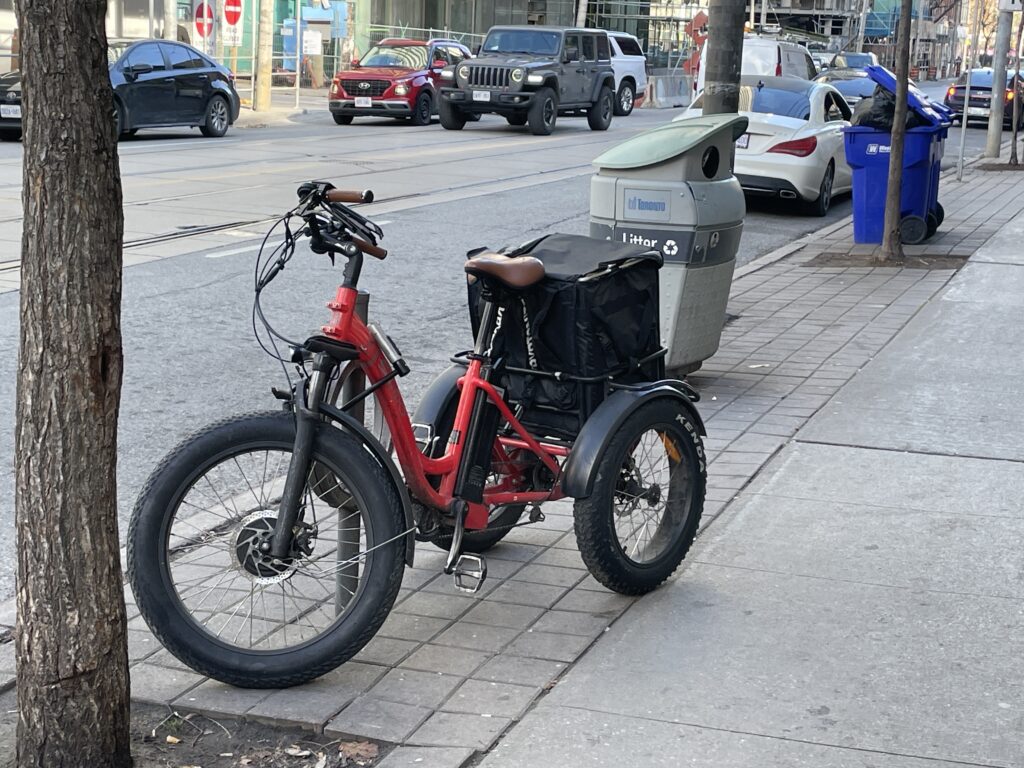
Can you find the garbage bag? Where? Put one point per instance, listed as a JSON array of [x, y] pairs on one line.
[[878, 110]]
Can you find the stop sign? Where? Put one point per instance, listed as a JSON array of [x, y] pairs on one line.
[[232, 11], [204, 19]]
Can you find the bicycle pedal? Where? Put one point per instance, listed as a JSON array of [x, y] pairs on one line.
[[470, 573]]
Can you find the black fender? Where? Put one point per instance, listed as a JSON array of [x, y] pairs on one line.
[[383, 457], [606, 78], [442, 392], [580, 468]]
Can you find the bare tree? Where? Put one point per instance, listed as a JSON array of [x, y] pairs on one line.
[[892, 246], [725, 56], [71, 630]]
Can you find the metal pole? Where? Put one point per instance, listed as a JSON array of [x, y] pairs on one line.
[[150, 19], [298, 51], [752, 5], [764, 14], [170, 19], [863, 25], [581, 13], [967, 92], [1004, 28]]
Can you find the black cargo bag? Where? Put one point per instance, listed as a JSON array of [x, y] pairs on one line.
[[593, 319]]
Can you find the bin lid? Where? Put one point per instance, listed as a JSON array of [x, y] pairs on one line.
[[671, 140], [917, 100]]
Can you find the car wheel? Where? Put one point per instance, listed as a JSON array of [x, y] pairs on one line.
[[473, 117], [342, 119], [624, 99], [10, 134], [118, 120], [543, 112], [517, 119], [423, 109], [217, 118], [599, 116], [820, 206], [452, 118]]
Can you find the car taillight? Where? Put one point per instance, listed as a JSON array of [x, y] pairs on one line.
[[1009, 95], [778, 64], [797, 147], [951, 91]]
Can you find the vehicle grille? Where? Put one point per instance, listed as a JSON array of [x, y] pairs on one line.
[[489, 77], [373, 87]]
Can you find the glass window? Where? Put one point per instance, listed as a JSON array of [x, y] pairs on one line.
[[181, 57], [628, 46], [776, 101], [603, 49], [535, 41], [456, 54], [812, 70], [404, 56], [854, 60], [146, 54], [832, 110], [572, 41], [115, 51], [440, 54], [589, 49]]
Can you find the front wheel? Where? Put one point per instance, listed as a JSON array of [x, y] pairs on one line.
[[212, 594], [452, 118], [543, 112], [341, 119], [10, 134], [422, 110], [637, 525], [516, 119], [217, 119]]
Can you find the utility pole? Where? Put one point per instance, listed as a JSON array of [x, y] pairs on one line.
[[969, 61], [264, 58], [725, 56], [581, 13], [862, 25], [1004, 28], [170, 19], [764, 14], [892, 245]]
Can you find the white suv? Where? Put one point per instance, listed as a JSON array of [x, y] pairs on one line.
[[630, 67]]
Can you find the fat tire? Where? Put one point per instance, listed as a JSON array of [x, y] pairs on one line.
[[599, 116], [452, 118], [535, 117], [341, 119], [171, 622], [594, 516], [208, 128], [479, 541]]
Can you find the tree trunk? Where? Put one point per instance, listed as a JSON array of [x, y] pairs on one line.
[[170, 19], [725, 56], [264, 58], [892, 246], [71, 629], [1016, 86], [994, 137]]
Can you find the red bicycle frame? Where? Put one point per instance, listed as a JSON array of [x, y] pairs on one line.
[[346, 326]]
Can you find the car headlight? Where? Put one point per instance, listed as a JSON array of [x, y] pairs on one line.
[[401, 89], [535, 79], [517, 75], [464, 72], [447, 74]]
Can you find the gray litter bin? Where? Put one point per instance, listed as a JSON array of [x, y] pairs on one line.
[[672, 189]]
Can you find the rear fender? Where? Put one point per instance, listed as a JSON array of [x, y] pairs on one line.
[[441, 395], [581, 467]]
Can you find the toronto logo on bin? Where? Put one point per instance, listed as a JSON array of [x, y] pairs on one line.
[[878, 149], [639, 204]]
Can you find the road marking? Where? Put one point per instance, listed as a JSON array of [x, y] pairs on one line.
[[237, 251]]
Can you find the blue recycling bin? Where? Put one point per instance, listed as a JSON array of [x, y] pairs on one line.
[[867, 153]]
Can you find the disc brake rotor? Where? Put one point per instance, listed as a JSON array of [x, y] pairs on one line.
[[252, 549]]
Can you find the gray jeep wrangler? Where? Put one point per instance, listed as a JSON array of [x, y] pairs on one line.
[[530, 75]]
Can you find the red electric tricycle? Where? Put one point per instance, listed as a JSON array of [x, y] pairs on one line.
[[268, 548]]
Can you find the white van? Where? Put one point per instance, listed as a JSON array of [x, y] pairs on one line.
[[766, 56]]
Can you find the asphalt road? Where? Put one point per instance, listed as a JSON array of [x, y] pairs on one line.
[[190, 356]]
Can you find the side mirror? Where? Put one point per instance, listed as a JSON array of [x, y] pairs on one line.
[[439, 64], [355, 63], [571, 54], [138, 69], [476, 50]]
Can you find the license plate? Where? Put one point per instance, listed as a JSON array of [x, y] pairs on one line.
[[10, 110], [743, 141], [979, 111], [481, 95], [364, 101]]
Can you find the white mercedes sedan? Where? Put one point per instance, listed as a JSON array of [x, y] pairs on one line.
[[793, 147]]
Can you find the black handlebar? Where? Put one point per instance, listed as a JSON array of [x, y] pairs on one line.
[[335, 228]]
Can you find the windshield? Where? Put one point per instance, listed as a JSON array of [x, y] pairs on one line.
[[405, 56], [982, 78], [775, 101], [114, 52], [855, 60], [533, 41]]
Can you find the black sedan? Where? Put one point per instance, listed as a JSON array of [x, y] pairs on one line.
[[981, 96], [157, 84], [854, 84]]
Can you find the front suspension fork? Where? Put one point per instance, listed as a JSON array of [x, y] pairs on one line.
[[307, 409]]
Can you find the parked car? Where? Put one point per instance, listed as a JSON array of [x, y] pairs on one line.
[[396, 78], [157, 84], [852, 60], [793, 147], [630, 66], [981, 96], [765, 56], [532, 75], [854, 84], [821, 61]]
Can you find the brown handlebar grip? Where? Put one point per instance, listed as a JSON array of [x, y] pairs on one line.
[[369, 248], [349, 196]]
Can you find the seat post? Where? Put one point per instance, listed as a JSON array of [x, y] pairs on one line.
[[488, 321]]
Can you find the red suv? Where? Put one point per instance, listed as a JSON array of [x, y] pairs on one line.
[[396, 78]]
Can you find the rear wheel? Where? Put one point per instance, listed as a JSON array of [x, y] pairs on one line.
[[637, 525], [422, 110], [217, 600], [625, 99], [543, 112], [217, 118], [820, 206], [341, 119], [452, 118], [599, 116]]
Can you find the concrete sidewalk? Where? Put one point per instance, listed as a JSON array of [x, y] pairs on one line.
[[861, 603]]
